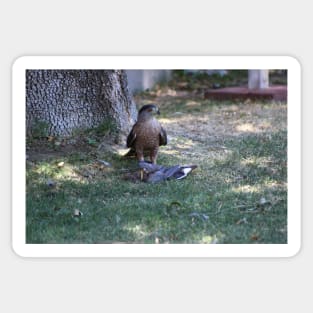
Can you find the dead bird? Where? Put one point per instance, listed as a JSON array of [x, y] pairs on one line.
[[154, 173]]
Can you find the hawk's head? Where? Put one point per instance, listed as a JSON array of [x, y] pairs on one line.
[[148, 110]]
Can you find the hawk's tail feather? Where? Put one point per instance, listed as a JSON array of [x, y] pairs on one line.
[[131, 153]]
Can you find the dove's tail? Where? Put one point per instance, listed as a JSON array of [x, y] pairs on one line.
[[130, 154]]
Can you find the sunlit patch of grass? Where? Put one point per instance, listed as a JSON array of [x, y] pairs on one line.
[[247, 127]]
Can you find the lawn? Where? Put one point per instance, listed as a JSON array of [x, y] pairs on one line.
[[80, 190]]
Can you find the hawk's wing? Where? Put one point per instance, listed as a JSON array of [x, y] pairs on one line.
[[131, 138], [163, 137]]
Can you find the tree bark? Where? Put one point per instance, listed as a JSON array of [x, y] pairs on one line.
[[66, 100]]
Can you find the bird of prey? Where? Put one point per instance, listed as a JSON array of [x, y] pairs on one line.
[[147, 134]]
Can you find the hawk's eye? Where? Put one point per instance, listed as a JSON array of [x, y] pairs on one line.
[[149, 110]]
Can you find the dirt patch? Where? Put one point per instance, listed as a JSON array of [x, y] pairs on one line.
[[205, 133], [45, 148], [195, 127]]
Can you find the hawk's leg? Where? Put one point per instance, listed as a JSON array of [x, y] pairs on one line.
[[154, 155], [139, 155], [140, 158]]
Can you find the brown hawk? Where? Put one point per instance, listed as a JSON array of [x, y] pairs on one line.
[[147, 134]]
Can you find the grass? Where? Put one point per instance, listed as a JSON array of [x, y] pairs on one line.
[[238, 193]]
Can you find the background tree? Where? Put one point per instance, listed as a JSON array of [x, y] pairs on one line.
[[64, 100]]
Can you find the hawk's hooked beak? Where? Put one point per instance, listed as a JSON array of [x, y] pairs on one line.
[[154, 109]]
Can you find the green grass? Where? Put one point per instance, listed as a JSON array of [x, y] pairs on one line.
[[238, 193]]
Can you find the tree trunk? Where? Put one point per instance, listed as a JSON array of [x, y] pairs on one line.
[[65, 100]]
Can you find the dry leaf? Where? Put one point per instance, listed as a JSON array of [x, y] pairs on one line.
[[254, 237], [242, 221], [263, 201], [50, 183], [105, 163], [77, 213]]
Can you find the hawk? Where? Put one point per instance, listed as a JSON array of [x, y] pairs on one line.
[[147, 134]]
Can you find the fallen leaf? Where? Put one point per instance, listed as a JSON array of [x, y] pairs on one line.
[[254, 237], [242, 221], [175, 203], [105, 163], [50, 183], [199, 215], [78, 213]]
